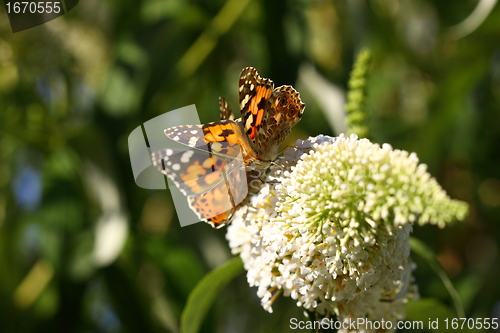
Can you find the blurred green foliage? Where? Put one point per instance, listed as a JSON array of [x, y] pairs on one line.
[[83, 249]]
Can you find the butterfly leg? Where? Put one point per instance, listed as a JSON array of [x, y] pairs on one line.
[[261, 175]]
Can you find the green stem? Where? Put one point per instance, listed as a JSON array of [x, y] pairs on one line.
[[428, 255]]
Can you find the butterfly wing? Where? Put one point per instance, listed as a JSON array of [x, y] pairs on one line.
[[221, 138], [214, 186], [193, 172], [218, 205], [225, 110], [254, 93], [284, 109], [268, 114], [212, 175]]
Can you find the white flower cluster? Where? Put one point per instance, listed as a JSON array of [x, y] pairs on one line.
[[330, 228]]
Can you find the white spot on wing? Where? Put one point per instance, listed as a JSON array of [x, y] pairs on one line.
[[249, 121], [217, 146], [244, 101], [186, 156], [176, 167], [192, 141]]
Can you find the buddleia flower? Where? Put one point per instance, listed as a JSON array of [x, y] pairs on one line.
[[330, 227]]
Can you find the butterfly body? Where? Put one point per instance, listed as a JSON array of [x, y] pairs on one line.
[[229, 154]]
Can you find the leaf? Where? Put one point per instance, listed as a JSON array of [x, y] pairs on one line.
[[204, 293], [428, 311], [428, 255]]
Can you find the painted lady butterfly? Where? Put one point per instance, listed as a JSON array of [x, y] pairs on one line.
[[229, 153]]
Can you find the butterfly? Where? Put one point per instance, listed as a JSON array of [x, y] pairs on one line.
[[229, 154]]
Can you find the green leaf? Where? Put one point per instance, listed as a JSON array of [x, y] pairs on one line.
[[204, 293], [429, 256], [434, 316], [428, 311]]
